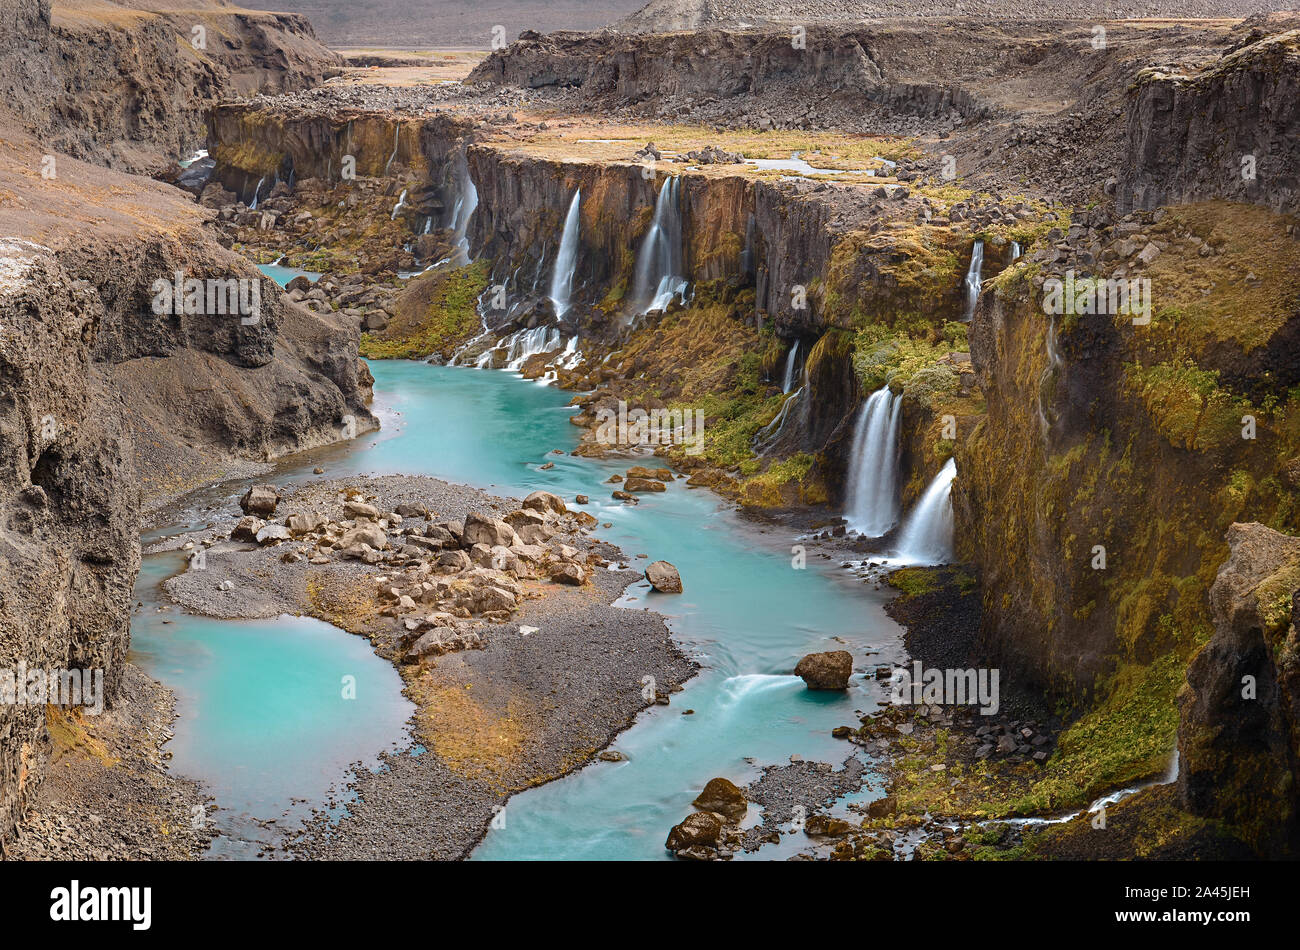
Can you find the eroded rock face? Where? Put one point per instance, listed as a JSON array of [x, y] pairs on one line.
[[69, 505], [1229, 132], [114, 86], [1239, 712]]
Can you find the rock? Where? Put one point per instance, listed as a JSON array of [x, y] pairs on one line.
[[826, 670], [643, 484], [300, 524], [412, 511], [723, 797], [359, 509], [272, 534], [569, 573], [819, 825], [454, 561], [246, 529], [260, 500], [663, 577], [581, 499], [484, 529], [626, 497], [701, 828], [370, 534], [609, 755], [545, 501]]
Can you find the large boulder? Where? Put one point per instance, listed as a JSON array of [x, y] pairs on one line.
[[643, 484], [370, 534], [701, 829], [484, 529], [260, 500], [545, 501], [664, 578], [826, 670], [723, 797]]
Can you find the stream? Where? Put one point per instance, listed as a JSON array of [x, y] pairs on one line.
[[262, 724]]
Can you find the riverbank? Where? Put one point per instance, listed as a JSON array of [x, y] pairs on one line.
[[109, 795], [517, 677]]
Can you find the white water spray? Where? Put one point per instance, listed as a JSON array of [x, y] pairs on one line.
[[926, 537], [973, 280], [791, 361], [566, 261], [872, 505], [659, 267]]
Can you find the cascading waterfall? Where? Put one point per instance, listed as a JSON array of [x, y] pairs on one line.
[[401, 203], [766, 436], [397, 133], [872, 507], [466, 203], [926, 537], [523, 344], [659, 267], [791, 362], [973, 280], [566, 261], [256, 191]]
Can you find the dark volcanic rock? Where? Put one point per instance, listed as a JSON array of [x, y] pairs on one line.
[[1239, 714]]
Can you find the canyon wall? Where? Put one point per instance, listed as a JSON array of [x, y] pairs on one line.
[[125, 87], [69, 504], [1229, 132]]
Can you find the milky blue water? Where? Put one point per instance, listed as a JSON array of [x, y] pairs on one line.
[[271, 712], [748, 612]]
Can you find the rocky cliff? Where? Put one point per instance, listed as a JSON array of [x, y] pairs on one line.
[[1229, 131], [124, 84], [69, 503], [1239, 728]]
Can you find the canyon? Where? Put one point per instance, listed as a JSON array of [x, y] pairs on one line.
[[837, 253]]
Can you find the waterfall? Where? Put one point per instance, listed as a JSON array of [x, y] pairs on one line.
[[567, 259], [466, 203], [791, 361], [401, 203], [766, 436], [659, 264], [1049, 372], [428, 224], [397, 132], [747, 255], [1016, 251], [872, 507], [926, 537], [973, 280], [253, 206]]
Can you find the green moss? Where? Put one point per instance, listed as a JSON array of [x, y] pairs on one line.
[[441, 316]]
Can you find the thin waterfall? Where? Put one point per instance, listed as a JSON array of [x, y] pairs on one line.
[[659, 267], [926, 537], [466, 203], [791, 362], [1016, 251], [747, 255], [253, 206], [973, 280], [872, 506], [401, 203], [1049, 372], [397, 133], [566, 261]]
